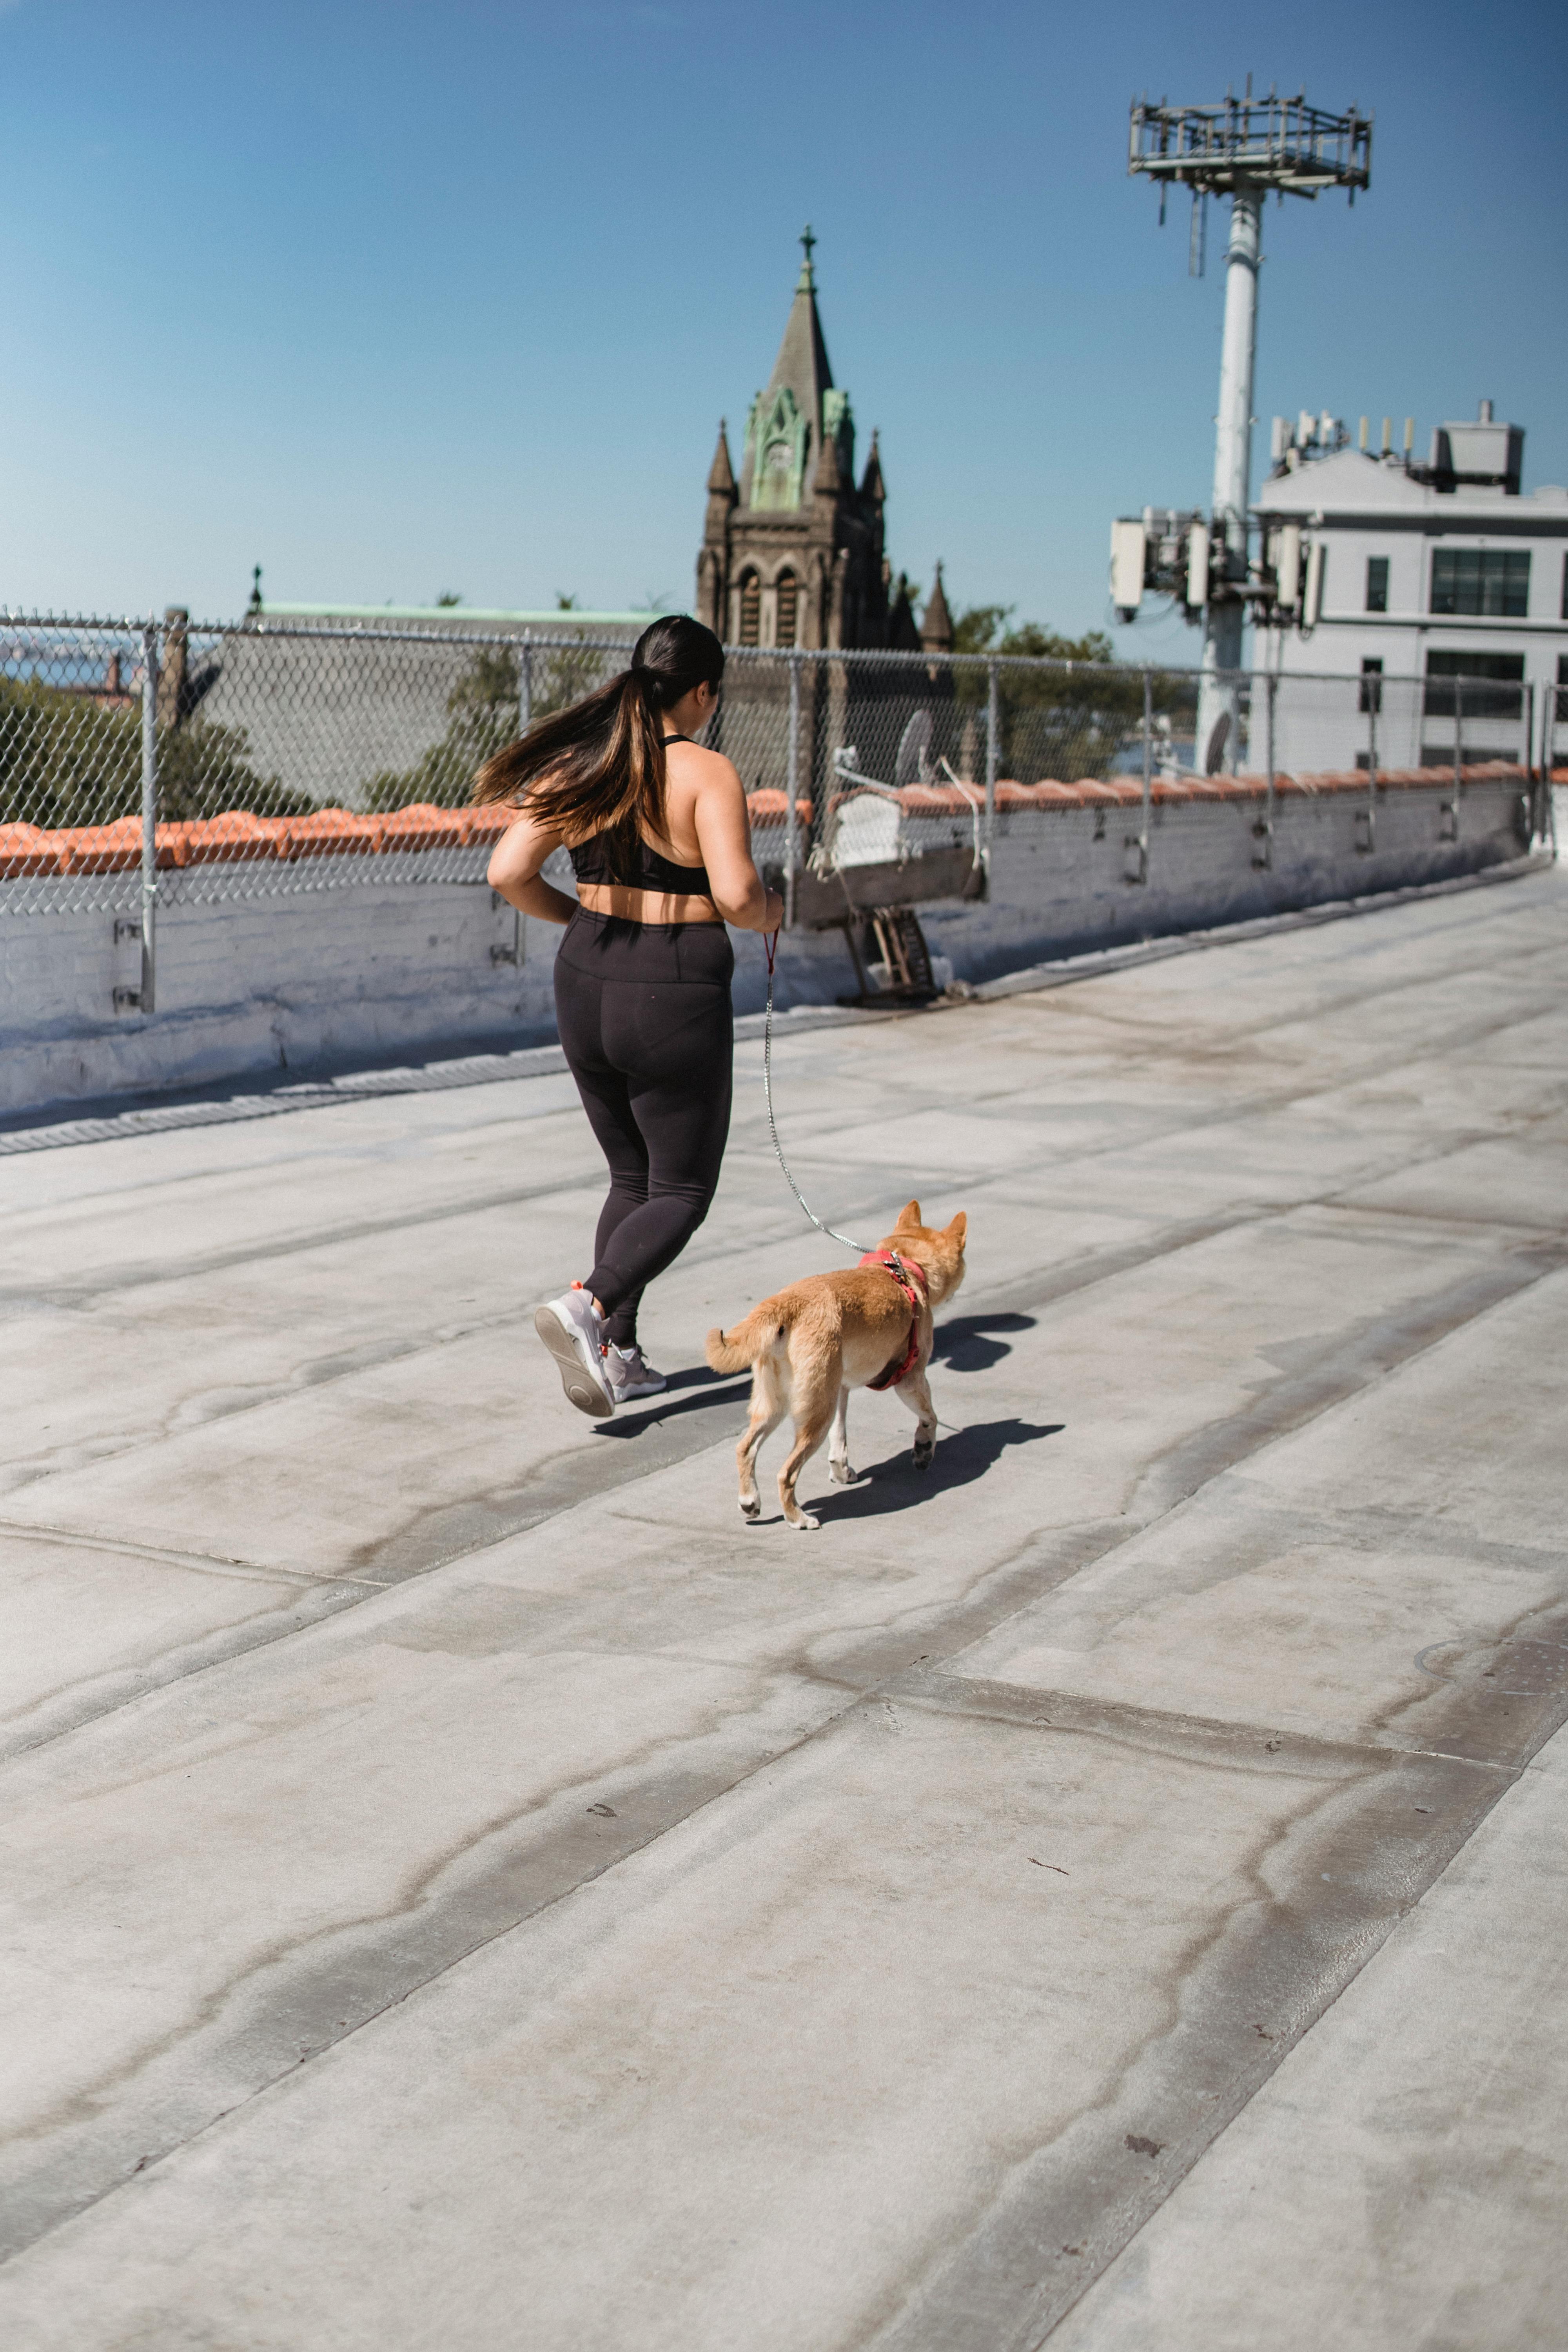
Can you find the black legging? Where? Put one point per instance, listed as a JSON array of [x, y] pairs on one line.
[[643, 1011]]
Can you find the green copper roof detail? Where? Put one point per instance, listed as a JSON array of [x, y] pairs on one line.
[[786, 424], [572, 617]]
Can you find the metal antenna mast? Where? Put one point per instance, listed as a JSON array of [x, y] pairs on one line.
[[1242, 149]]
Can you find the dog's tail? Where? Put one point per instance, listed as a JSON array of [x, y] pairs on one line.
[[737, 1350]]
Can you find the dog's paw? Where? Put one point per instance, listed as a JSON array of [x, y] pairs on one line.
[[805, 1522], [752, 1510], [843, 1475], [925, 1452]]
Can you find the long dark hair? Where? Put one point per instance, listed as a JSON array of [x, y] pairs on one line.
[[598, 767]]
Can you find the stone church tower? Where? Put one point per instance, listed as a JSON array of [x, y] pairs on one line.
[[792, 555]]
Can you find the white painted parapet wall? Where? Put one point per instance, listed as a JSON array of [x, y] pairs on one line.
[[336, 978]]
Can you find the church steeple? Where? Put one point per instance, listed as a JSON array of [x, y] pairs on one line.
[[721, 473], [936, 621], [793, 553], [784, 429]]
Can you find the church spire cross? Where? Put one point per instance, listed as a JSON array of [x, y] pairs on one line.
[[808, 245]]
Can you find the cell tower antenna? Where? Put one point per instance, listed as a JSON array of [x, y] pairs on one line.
[[1241, 149]]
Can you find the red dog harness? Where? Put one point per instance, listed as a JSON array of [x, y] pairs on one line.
[[901, 1269]]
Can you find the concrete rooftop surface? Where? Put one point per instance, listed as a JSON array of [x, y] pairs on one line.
[[465, 1890]]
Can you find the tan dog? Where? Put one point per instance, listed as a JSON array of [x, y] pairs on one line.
[[808, 1346]]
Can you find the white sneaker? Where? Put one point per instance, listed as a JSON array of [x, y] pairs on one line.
[[629, 1374], [573, 1329]]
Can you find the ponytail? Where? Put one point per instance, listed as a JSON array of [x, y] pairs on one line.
[[598, 768]]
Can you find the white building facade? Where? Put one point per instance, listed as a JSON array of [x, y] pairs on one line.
[[1444, 573]]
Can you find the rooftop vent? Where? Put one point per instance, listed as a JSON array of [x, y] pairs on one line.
[[1482, 455]]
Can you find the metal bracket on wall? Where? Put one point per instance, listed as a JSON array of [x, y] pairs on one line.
[[518, 952], [1136, 853], [1263, 842], [1447, 820], [1365, 831], [127, 927]]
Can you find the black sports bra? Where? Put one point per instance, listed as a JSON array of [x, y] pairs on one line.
[[651, 871]]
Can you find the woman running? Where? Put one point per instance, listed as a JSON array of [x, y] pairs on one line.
[[660, 846]]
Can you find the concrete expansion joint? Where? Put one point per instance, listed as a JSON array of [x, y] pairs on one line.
[[304, 1093], [1102, 961], [218, 1563], [278, 2038], [1248, 1433], [1262, 1747], [144, 1274], [1257, 1735]]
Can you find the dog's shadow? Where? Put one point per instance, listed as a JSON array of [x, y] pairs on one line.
[[895, 1484], [968, 1343]]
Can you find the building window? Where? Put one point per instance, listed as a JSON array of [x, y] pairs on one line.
[[1371, 694], [750, 607], [788, 601], [1376, 584], [1492, 580], [1564, 612], [1482, 694], [1490, 685]]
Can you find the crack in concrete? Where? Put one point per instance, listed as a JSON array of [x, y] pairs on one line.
[[998, 2287], [1353, 1863], [1382, 1343], [583, 1474], [76, 1706], [57, 2190], [139, 1275], [374, 1965], [202, 1409]]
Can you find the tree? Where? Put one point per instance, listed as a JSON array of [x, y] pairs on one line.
[[68, 759], [481, 715], [1066, 721]]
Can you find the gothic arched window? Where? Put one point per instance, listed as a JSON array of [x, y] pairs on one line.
[[788, 601], [750, 607]]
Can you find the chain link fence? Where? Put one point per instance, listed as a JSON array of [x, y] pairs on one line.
[[147, 765]]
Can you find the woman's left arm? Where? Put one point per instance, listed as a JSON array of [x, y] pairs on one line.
[[514, 872]]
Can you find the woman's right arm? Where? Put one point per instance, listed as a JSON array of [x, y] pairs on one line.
[[514, 872], [725, 835]]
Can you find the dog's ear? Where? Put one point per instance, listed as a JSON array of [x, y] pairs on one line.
[[959, 1227], [909, 1215]]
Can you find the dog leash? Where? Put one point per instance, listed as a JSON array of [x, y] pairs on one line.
[[771, 945], [834, 1235]]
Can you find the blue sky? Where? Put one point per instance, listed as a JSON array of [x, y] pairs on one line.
[[401, 298]]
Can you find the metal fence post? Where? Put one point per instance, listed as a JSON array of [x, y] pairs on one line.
[[1143, 821], [1527, 715], [1374, 697], [1458, 751], [1270, 696], [791, 786], [1551, 706], [525, 687], [149, 817], [991, 752]]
